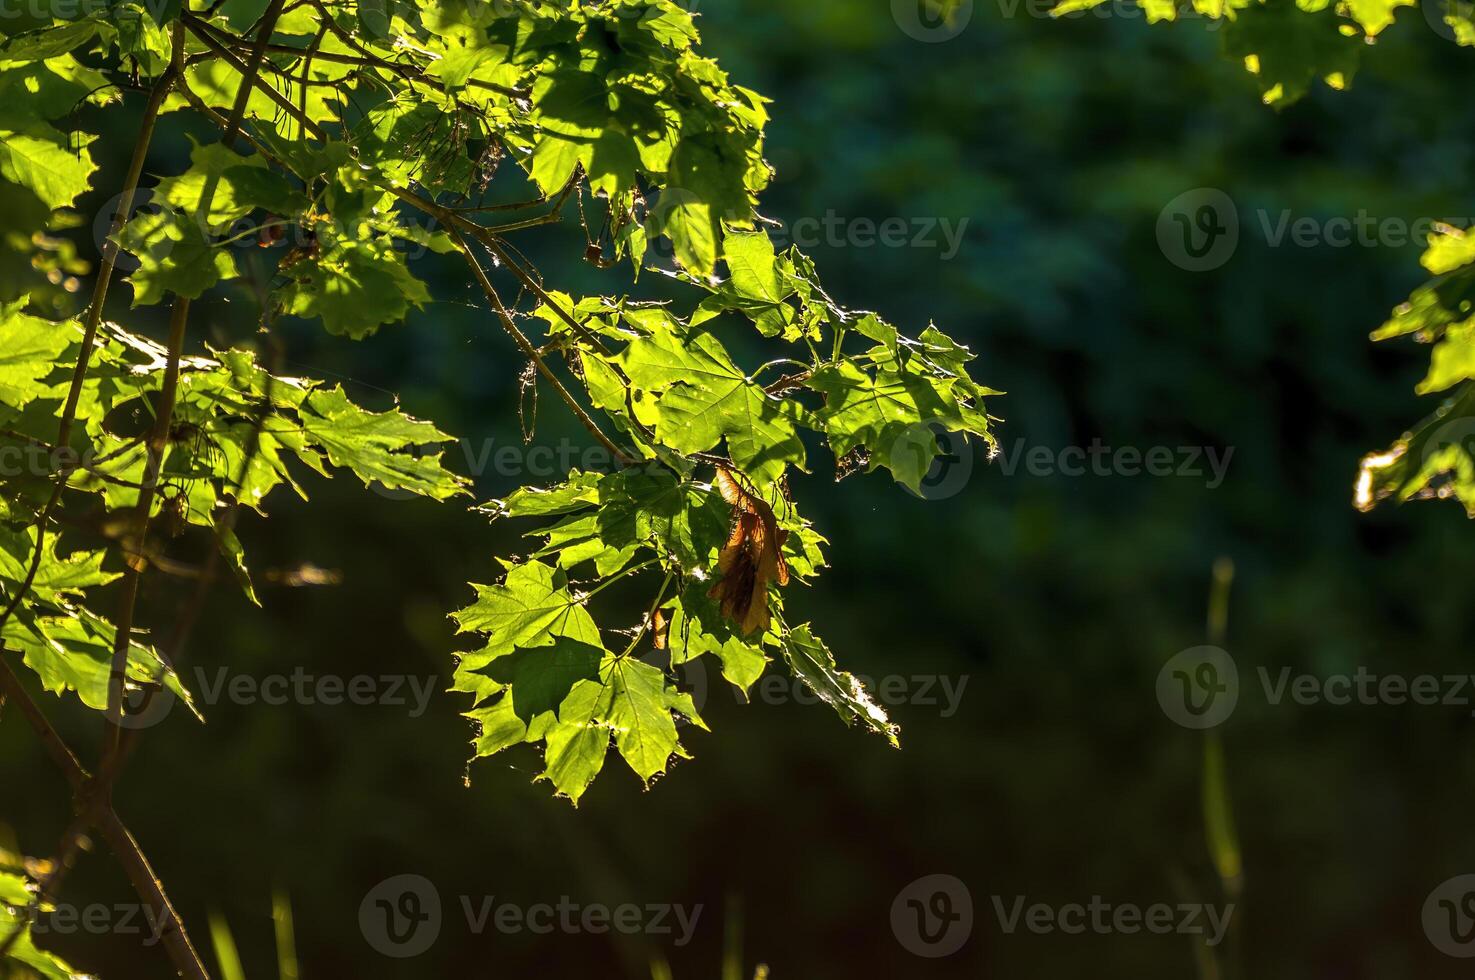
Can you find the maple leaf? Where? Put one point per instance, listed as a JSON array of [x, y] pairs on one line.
[[752, 557]]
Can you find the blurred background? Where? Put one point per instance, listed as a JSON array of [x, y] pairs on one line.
[[1047, 603]]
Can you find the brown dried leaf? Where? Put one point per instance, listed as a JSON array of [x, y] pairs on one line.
[[752, 557]]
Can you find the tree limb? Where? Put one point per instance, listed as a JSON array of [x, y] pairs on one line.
[[526, 346]]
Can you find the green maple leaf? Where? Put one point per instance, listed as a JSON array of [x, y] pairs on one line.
[[613, 516], [1453, 359], [532, 607], [608, 539], [47, 42], [1375, 15], [30, 349], [889, 411], [545, 676], [812, 662], [697, 628], [760, 283], [33, 93], [379, 447], [239, 185], [56, 575], [1288, 47], [54, 167], [704, 189], [879, 411], [685, 519], [71, 649], [578, 127], [752, 264], [356, 286], [630, 701], [1286, 44], [706, 398], [1433, 461], [538, 679], [174, 256], [578, 492], [16, 895]]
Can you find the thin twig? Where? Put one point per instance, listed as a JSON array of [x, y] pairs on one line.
[[60, 754], [526, 346], [366, 58], [651, 615], [457, 225], [148, 886], [251, 79], [90, 467], [159, 437], [144, 880], [93, 317], [123, 844]]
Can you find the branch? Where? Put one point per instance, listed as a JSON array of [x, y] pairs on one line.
[[124, 846], [159, 437], [110, 246], [89, 467], [93, 317], [365, 58], [149, 888], [135, 544], [60, 754], [456, 224], [526, 346]]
